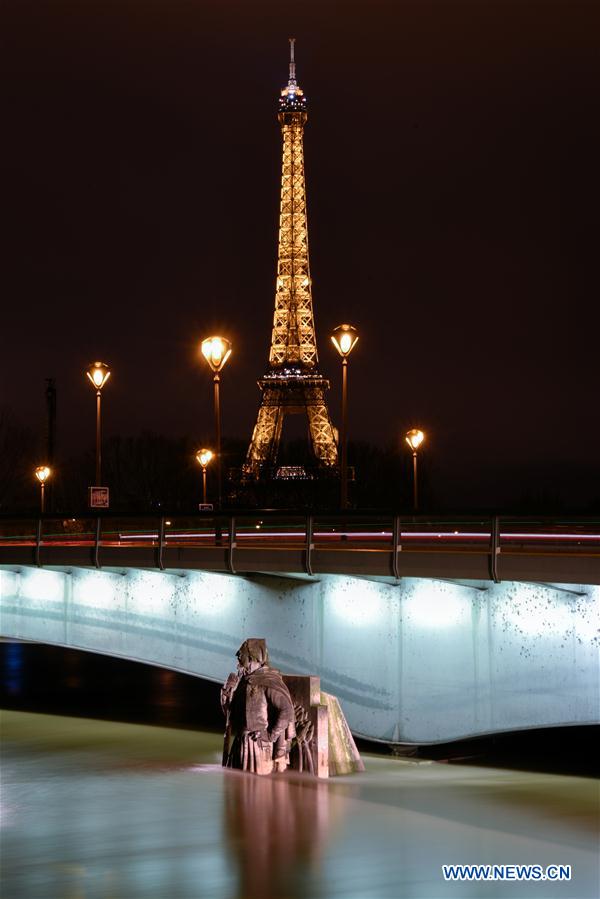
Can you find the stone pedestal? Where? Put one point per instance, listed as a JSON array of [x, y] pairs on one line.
[[333, 749], [344, 757], [306, 691]]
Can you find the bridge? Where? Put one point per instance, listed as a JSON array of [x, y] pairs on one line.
[[426, 629], [485, 547]]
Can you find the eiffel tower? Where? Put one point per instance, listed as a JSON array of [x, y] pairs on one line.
[[292, 383]]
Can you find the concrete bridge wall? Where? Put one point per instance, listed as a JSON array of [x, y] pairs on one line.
[[420, 661]]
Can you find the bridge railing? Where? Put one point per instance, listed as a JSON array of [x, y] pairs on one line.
[[247, 540]]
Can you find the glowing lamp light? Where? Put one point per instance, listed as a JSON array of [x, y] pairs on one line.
[[38, 584], [204, 456], [432, 607], [216, 351], [98, 373], [414, 438], [344, 338], [42, 473], [360, 604]]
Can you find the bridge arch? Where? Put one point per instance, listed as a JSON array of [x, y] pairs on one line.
[[419, 661]]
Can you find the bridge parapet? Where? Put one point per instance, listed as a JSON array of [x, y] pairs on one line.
[[493, 547]]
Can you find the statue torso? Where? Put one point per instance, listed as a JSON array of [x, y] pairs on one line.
[[256, 695]]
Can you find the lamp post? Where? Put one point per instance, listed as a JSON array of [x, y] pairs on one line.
[[415, 438], [203, 457], [98, 373], [42, 473], [344, 339], [216, 351]]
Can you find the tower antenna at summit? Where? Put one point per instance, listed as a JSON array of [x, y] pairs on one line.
[[292, 383]]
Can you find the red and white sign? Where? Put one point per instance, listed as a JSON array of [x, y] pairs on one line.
[[98, 497]]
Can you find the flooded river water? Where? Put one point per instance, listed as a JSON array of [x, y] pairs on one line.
[[105, 809]]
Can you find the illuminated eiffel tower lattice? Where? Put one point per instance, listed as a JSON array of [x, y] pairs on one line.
[[292, 383]]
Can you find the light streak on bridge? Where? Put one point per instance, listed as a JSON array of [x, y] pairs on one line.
[[65, 531], [492, 547]]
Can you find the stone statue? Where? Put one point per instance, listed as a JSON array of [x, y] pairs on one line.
[[259, 713], [301, 750]]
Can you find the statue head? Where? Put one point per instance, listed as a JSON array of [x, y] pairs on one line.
[[253, 653]]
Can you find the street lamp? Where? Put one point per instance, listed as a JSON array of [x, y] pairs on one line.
[[216, 351], [203, 457], [98, 373], [42, 473], [415, 438], [344, 338]]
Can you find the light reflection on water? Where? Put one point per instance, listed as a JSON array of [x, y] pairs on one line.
[[277, 829], [13, 668], [103, 809]]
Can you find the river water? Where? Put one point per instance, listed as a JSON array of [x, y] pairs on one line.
[[97, 808]]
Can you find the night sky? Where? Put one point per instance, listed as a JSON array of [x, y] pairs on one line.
[[450, 158]]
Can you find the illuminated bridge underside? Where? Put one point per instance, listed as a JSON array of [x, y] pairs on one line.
[[419, 661]]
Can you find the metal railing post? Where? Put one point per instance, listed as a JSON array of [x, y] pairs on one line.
[[38, 542], [232, 545], [309, 545], [161, 542], [397, 548], [495, 548], [97, 543]]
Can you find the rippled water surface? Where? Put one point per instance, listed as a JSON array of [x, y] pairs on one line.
[[105, 809]]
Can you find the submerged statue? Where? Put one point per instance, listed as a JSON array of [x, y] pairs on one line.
[[259, 713]]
